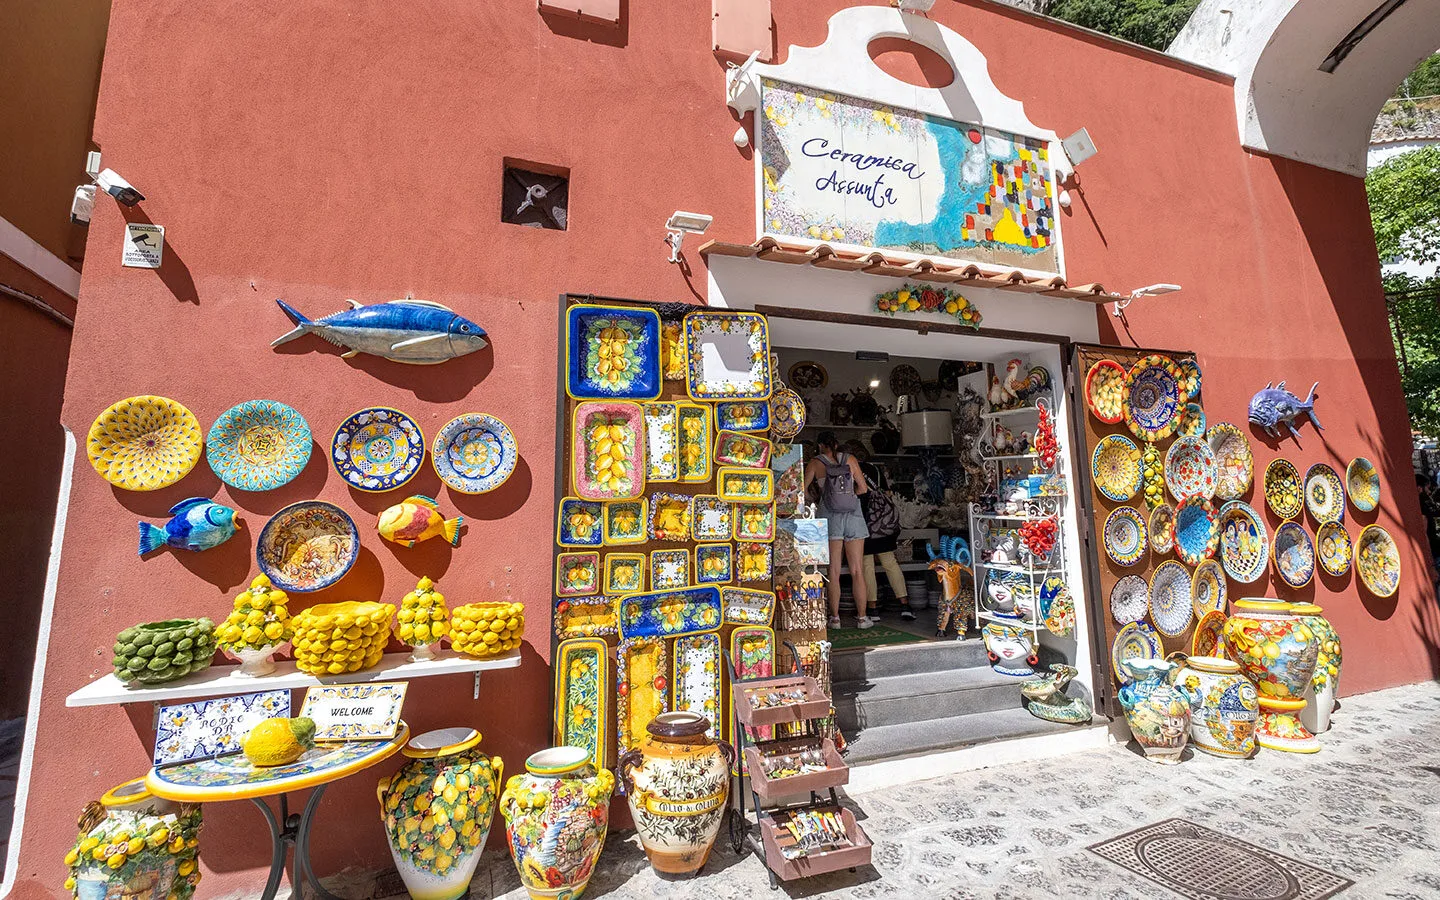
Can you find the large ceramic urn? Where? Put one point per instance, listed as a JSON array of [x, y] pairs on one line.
[[1325, 683], [1277, 650], [1223, 706], [437, 811], [136, 846], [677, 782], [556, 815], [1011, 648], [1158, 714]]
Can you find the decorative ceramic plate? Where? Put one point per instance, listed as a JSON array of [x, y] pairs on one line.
[[612, 353], [579, 523], [787, 413], [745, 415], [1153, 406], [1162, 528], [1333, 548], [1138, 640], [728, 355], [754, 522], [1197, 530], [144, 443], [1209, 637], [307, 546], [753, 562], [1208, 590], [607, 446], [1192, 421], [697, 668], [744, 606], [746, 485], [711, 519], [1190, 469], [1171, 603], [808, 376], [1115, 467], [625, 522], [1324, 494], [377, 449], [1377, 559], [904, 379], [670, 613], [474, 453], [1189, 378], [258, 445], [735, 449], [670, 517], [1363, 484], [586, 616], [582, 693], [669, 569], [1294, 554], [577, 574], [662, 442], [714, 564], [1244, 542], [1130, 599], [642, 688], [1234, 463], [624, 573], [1106, 391], [1125, 535], [1282, 488], [694, 442]]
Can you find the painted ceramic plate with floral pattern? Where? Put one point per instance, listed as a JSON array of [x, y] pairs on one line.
[[1138, 640], [1190, 468], [1324, 494], [787, 413], [1244, 542], [1192, 421], [1106, 392], [1125, 535], [1377, 560], [1197, 530], [1153, 407], [1115, 467], [1162, 528], [1234, 462], [377, 449], [474, 453], [1209, 637], [307, 546], [612, 353], [1208, 589], [1283, 492], [1362, 481], [728, 356], [1171, 603], [1293, 554], [1130, 599], [144, 443], [258, 445], [1333, 548]]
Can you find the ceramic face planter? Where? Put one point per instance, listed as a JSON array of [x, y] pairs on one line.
[[136, 846], [1011, 649], [1325, 683], [1159, 715], [556, 815], [437, 811], [1277, 650], [1223, 706], [677, 782]]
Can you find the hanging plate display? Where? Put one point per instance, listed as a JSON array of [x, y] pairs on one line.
[[612, 353], [577, 574], [586, 616], [662, 442], [904, 379], [1192, 421], [669, 569], [714, 564], [1125, 536], [579, 523], [735, 449], [642, 688], [258, 445], [582, 693], [694, 442], [1106, 392], [1153, 406], [1209, 637], [697, 667], [711, 519], [1244, 542], [1138, 640], [1377, 560], [1197, 530], [744, 606], [144, 443], [307, 546], [1130, 599], [607, 448], [474, 453], [1294, 554], [1190, 469], [1324, 494], [1282, 488], [1234, 463], [1162, 528], [624, 573], [746, 415], [1115, 467], [377, 449], [787, 413], [808, 376], [1333, 548], [1208, 588], [670, 613], [1171, 603], [625, 522], [670, 517], [1362, 481], [728, 356], [1189, 378]]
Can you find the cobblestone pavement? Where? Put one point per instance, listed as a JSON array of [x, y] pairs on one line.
[[1362, 808]]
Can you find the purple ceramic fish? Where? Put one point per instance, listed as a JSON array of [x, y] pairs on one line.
[[1274, 405]]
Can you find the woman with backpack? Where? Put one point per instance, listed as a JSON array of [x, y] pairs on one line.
[[840, 484], [883, 523]]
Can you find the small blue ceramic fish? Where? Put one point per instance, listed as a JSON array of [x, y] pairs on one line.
[[197, 524], [406, 331], [1273, 405]]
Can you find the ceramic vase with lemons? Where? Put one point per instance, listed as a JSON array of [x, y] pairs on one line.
[[1277, 650], [1325, 683], [556, 816]]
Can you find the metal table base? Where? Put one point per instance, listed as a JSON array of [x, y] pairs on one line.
[[294, 830]]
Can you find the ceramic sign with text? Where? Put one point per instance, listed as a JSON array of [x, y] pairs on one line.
[[355, 712], [207, 728]]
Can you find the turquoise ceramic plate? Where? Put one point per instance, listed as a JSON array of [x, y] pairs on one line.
[[474, 453], [1197, 530], [1363, 483], [377, 449], [258, 445]]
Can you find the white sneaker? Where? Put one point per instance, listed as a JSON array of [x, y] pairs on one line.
[[864, 622], [834, 622]]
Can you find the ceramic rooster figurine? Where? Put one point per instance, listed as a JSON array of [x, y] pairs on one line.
[[1017, 381], [957, 599], [999, 395]]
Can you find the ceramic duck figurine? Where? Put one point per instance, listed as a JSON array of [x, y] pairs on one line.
[[195, 524], [418, 519]]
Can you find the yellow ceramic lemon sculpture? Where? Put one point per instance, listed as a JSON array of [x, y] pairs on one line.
[[278, 742]]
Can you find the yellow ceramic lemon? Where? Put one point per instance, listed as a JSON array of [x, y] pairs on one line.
[[276, 742]]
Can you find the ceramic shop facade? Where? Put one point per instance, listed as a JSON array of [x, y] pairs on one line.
[[323, 156]]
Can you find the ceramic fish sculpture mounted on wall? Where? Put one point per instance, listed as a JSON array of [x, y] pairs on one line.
[[418, 519], [196, 524], [1273, 405], [406, 331]]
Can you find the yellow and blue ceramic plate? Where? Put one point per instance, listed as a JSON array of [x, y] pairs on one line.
[[1324, 494], [1334, 549], [377, 449], [258, 445], [307, 546], [1137, 640], [1244, 543], [1377, 560], [474, 453], [1125, 536], [1363, 483], [1294, 554]]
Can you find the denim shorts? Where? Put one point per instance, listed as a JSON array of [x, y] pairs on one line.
[[848, 526]]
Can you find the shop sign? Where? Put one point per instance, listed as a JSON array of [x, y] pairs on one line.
[[355, 712], [209, 728]]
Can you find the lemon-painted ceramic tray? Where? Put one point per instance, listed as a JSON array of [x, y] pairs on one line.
[[745, 485], [607, 449], [696, 455], [582, 696], [734, 448], [642, 688], [746, 606], [745, 415], [662, 441], [579, 523], [711, 521], [624, 573], [727, 355], [670, 613], [671, 516], [754, 522], [1106, 392], [612, 352], [714, 564], [586, 616], [696, 672], [753, 562], [577, 574], [625, 522], [669, 569]]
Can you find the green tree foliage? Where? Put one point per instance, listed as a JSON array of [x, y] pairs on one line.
[[1424, 81], [1153, 23]]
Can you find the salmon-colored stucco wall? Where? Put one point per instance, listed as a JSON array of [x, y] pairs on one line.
[[347, 150]]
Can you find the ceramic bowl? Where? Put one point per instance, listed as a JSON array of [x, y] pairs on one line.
[[1153, 405], [258, 445], [1333, 548], [1170, 598], [1130, 599], [377, 449], [307, 546], [1362, 482], [1115, 467], [1244, 542], [1377, 560], [1105, 391], [1293, 554], [474, 453], [1208, 590], [612, 352], [1125, 536], [1324, 494], [1197, 532], [144, 443], [1234, 461], [1283, 491], [1190, 468]]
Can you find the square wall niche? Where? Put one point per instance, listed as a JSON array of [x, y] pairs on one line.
[[592, 10], [741, 27], [535, 195]]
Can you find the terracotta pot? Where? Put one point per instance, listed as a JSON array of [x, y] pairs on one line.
[[437, 811], [1325, 683], [136, 846], [1223, 706], [1277, 650], [677, 782], [556, 816], [1159, 715]]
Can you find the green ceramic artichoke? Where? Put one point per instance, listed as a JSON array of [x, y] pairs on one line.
[[157, 652]]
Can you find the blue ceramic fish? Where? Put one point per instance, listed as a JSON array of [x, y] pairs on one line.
[[406, 331], [196, 524], [1273, 405]]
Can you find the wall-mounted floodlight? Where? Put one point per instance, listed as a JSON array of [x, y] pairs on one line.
[[680, 224], [1151, 290]]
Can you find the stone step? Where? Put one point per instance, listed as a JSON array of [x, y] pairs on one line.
[[889, 742], [926, 695], [906, 659]]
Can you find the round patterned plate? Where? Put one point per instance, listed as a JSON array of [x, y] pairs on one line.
[[1130, 599], [1282, 488], [1162, 528], [1190, 379], [307, 546], [1197, 531], [1377, 559], [1362, 482], [474, 453], [1105, 391], [1333, 548], [1294, 554], [1115, 467], [808, 376], [1324, 494], [1125, 535], [1244, 542], [1190, 469], [1153, 407], [904, 379], [377, 449], [1208, 591], [1170, 602], [258, 445], [787, 413], [1192, 421], [144, 443], [1209, 637], [1234, 463], [1138, 640]]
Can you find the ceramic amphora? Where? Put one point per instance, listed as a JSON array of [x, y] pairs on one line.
[[136, 846], [1277, 650], [1224, 706], [556, 816], [677, 782], [1159, 715]]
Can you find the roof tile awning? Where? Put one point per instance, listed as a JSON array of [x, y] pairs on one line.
[[937, 270]]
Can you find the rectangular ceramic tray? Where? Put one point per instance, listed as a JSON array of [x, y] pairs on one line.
[[598, 472], [624, 573], [750, 451], [579, 523], [745, 485], [775, 837], [743, 415], [815, 705], [694, 455], [625, 522], [696, 677], [727, 355], [577, 617], [670, 613], [747, 606], [662, 441], [711, 520], [714, 564], [582, 696], [834, 774], [593, 333], [643, 670]]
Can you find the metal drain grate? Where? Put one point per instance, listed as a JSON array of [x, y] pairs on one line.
[[1203, 864]]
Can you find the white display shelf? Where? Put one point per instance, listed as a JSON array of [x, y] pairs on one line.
[[218, 681], [1008, 620], [1001, 456], [997, 517], [1002, 413], [1020, 570]]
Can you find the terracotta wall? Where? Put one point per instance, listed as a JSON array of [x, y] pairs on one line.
[[344, 151]]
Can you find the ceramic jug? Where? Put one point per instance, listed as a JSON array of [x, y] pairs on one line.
[[1325, 683], [556, 815], [1011, 648], [1277, 650], [1159, 715], [437, 811], [136, 846], [677, 782], [1223, 706]]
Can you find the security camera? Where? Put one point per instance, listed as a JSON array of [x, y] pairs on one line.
[[680, 224], [111, 183]]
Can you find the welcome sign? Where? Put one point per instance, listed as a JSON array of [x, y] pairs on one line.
[[842, 170]]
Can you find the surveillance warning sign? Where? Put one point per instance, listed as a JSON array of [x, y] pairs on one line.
[[144, 245]]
